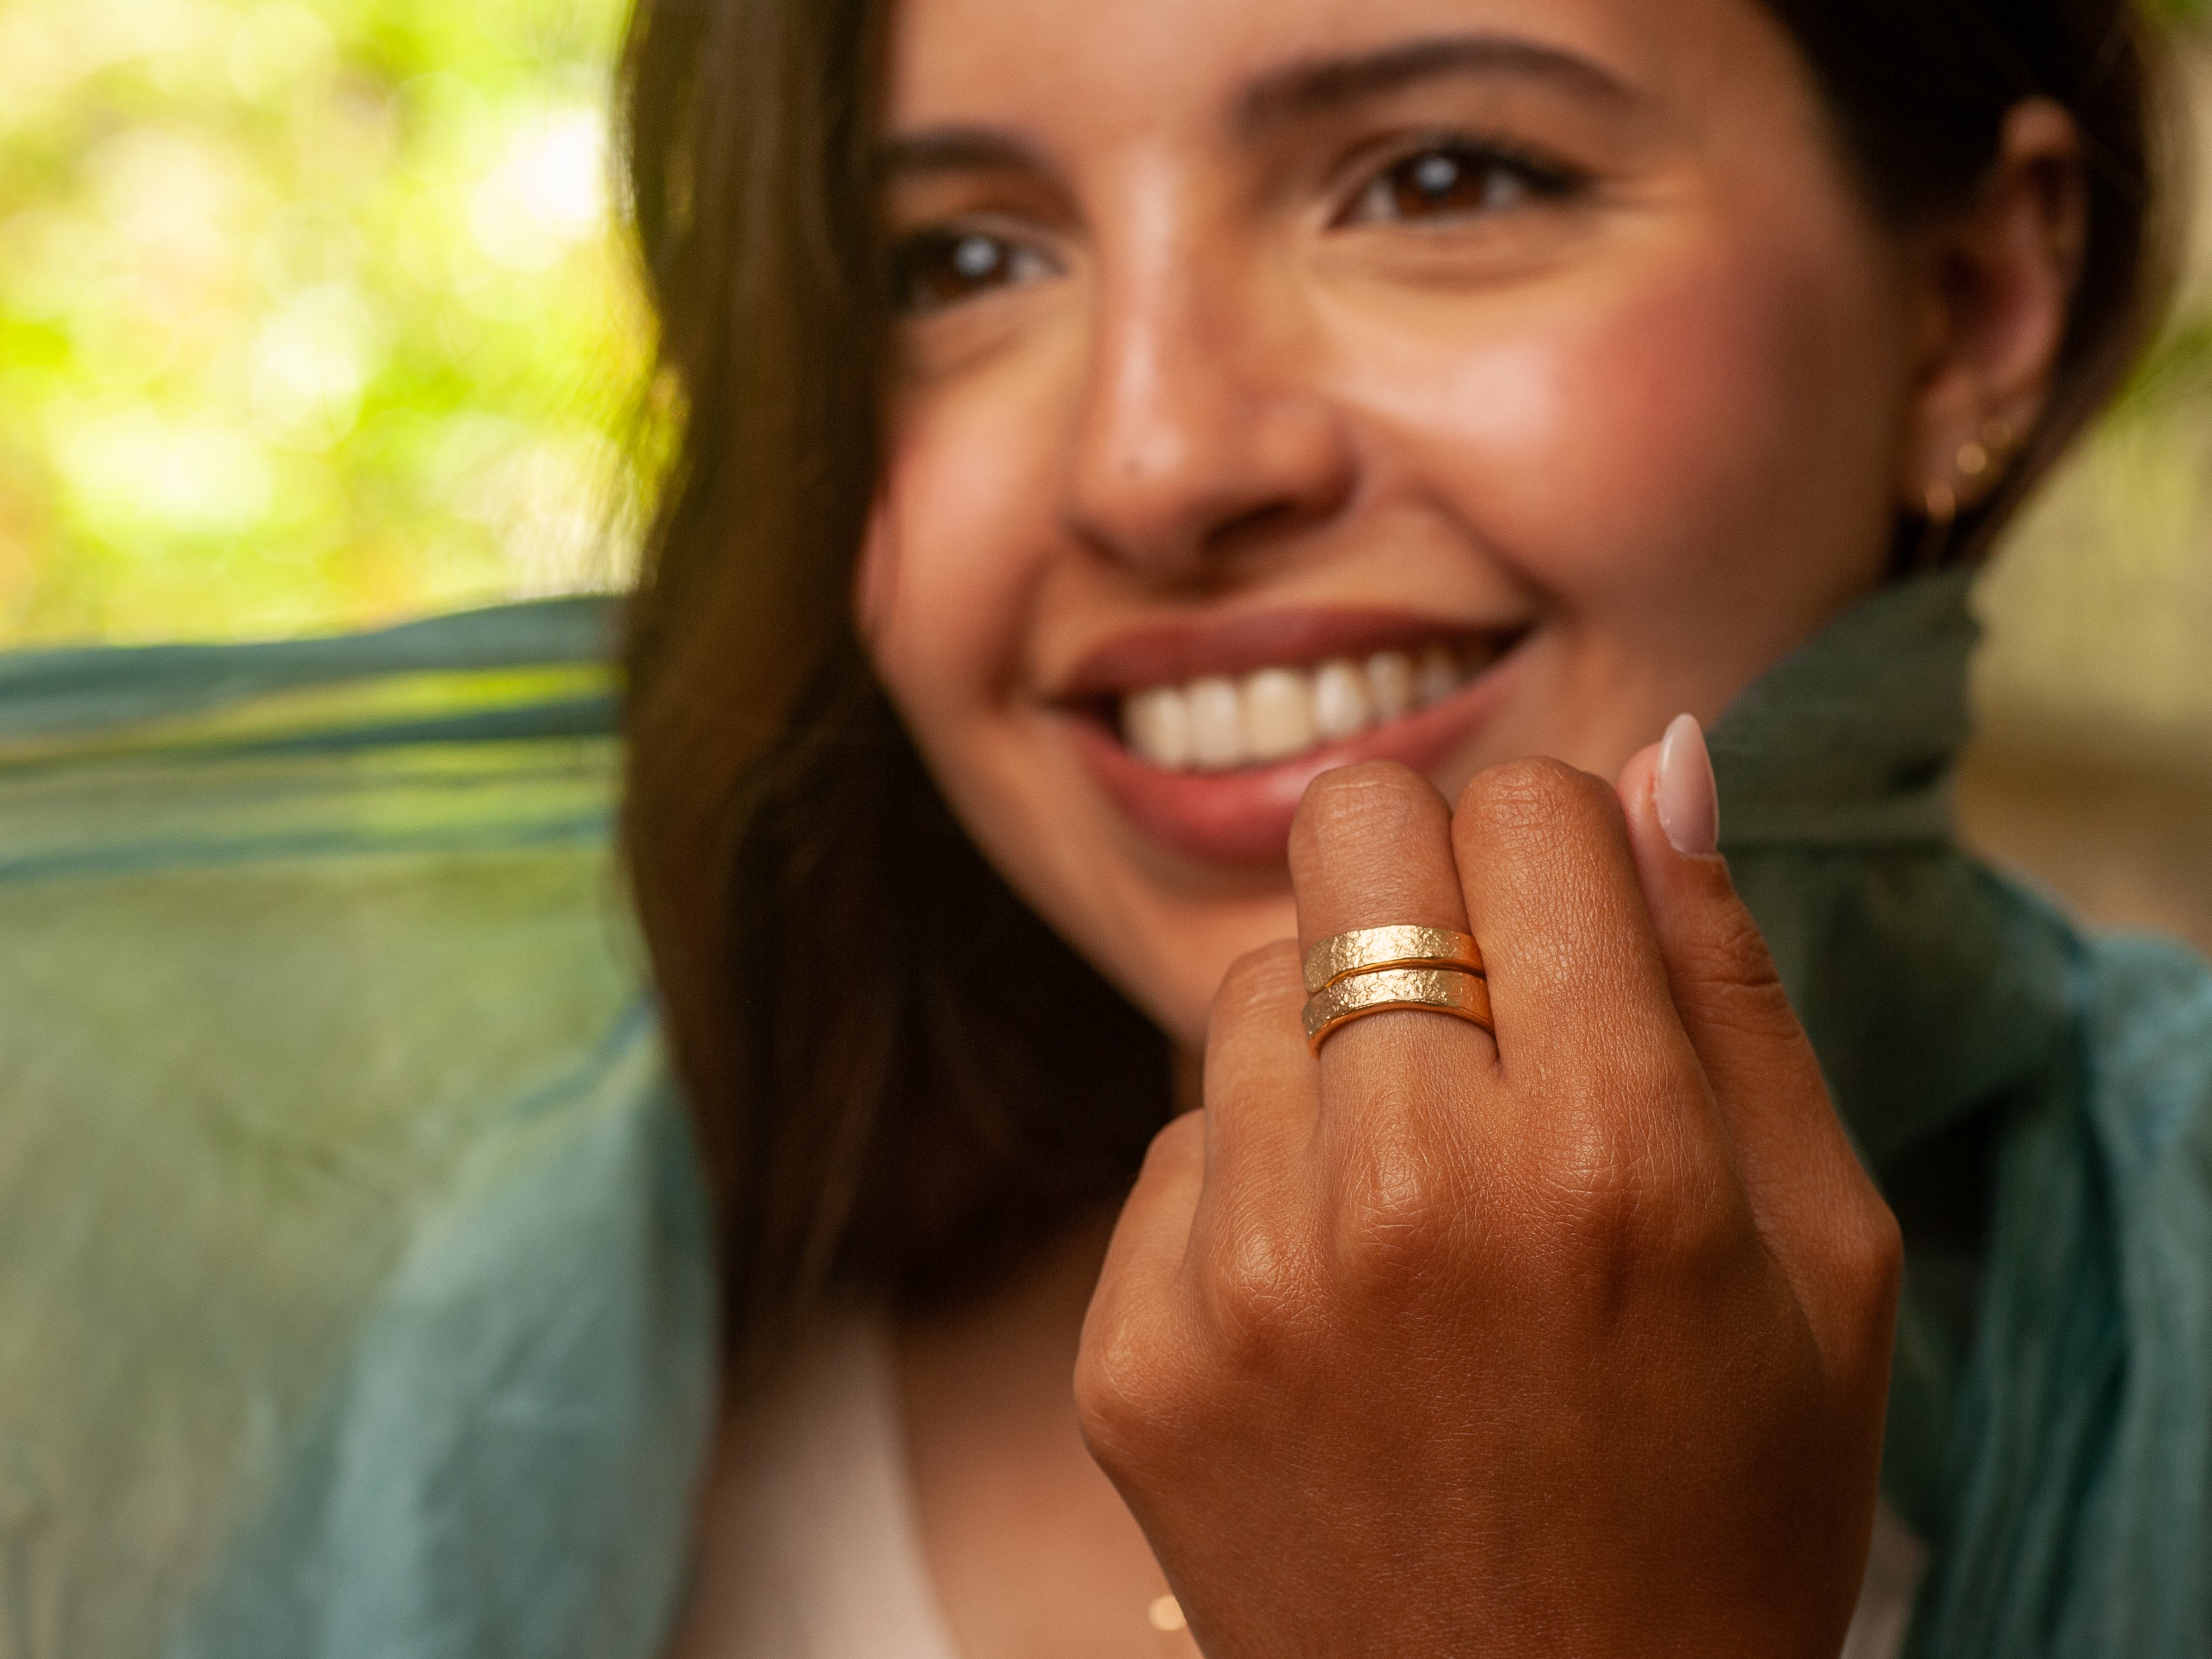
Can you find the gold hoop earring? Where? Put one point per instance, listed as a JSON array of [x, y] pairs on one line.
[[1994, 448], [1986, 456]]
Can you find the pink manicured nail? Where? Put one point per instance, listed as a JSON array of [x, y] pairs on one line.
[[1689, 804]]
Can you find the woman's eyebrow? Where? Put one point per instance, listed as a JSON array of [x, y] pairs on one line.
[[955, 149], [1320, 85]]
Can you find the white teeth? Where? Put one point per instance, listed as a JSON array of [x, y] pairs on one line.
[[1340, 699], [1217, 724], [1390, 678], [1278, 714], [1157, 725], [1438, 676]]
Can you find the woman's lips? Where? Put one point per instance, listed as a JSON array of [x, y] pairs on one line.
[[1243, 816], [1174, 653]]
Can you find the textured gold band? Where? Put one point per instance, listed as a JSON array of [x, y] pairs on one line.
[[1365, 950], [1445, 990]]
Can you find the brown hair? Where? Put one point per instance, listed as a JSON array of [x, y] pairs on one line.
[[900, 1077]]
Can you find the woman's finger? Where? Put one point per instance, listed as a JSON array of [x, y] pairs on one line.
[[1260, 1090], [1252, 1226], [1804, 1182], [1577, 979], [1371, 847], [1145, 1258], [1600, 1079]]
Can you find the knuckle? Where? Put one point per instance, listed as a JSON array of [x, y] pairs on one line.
[[1179, 1145], [1860, 1276], [1594, 1207], [1375, 803], [1398, 1212], [1632, 1191], [1760, 1010], [1742, 989], [1259, 1293], [1130, 1391], [1258, 985], [1873, 1263], [1692, 1221], [1521, 800], [1732, 947]]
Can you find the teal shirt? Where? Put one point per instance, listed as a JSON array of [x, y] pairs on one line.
[[354, 1286]]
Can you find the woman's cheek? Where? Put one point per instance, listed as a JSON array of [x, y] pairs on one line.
[[1714, 433], [971, 531], [957, 534], [1653, 473], [1623, 449]]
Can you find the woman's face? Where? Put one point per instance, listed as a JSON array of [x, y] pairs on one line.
[[1286, 383]]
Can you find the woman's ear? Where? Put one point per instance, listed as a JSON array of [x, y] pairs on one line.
[[1998, 283]]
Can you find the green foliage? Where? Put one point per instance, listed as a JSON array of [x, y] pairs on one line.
[[310, 311]]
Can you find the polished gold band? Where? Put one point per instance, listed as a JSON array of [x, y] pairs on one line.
[[1446, 990], [1365, 950]]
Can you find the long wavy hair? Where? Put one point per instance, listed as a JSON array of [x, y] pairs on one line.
[[900, 1080]]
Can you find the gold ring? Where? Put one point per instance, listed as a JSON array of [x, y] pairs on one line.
[[1444, 990], [1367, 949]]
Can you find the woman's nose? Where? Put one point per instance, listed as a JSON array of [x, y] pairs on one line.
[[1203, 435]]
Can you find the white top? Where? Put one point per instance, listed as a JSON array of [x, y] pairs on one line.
[[814, 1552]]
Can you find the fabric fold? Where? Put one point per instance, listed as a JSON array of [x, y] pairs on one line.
[[354, 1295]]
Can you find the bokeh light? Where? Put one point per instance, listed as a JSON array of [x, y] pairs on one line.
[[312, 312]]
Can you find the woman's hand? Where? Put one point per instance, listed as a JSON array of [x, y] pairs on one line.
[[1572, 1342]]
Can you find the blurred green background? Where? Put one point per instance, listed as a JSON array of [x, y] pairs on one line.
[[310, 312], [312, 315]]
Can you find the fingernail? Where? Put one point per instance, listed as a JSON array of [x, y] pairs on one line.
[[1688, 801]]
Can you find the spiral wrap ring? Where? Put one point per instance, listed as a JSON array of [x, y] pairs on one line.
[[1366, 949], [1376, 970]]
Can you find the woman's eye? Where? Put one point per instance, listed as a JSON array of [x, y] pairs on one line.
[[1454, 181], [942, 268]]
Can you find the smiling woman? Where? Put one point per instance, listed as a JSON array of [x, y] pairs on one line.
[[311, 314], [1409, 388], [1165, 412], [1203, 540]]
